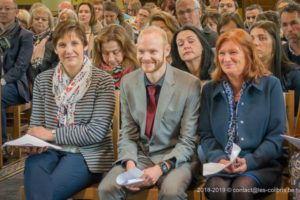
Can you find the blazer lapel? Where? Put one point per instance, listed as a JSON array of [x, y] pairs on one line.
[[165, 96]]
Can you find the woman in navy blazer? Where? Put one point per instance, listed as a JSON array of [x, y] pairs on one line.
[[243, 104]]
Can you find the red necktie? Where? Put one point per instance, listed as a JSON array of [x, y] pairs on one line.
[[151, 109]]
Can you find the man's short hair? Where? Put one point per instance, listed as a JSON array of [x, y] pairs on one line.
[[236, 4], [269, 15], [253, 7], [227, 17], [290, 8], [15, 2], [281, 1], [145, 8], [155, 29], [196, 2]]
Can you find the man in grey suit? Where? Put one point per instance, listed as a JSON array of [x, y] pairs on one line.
[[160, 111]]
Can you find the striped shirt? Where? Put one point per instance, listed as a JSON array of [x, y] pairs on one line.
[[93, 117]]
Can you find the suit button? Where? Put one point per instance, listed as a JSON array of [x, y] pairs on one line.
[[242, 139], [242, 103], [242, 122]]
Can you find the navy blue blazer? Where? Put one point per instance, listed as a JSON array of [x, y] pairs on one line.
[[261, 120], [16, 61]]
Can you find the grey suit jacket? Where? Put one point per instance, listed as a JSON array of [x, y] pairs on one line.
[[175, 121]]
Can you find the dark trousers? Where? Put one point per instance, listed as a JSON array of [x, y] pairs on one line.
[[56, 175], [9, 96]]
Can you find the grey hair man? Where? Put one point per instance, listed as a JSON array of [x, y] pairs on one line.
[[64, 5], [189, 13]]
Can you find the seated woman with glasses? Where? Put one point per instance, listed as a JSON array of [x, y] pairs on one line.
[[43, 57]]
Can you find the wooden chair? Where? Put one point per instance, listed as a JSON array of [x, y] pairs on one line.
[[1, 153], [19, 112], [92, 192], [297, 125], [152, 193], [289, 99]]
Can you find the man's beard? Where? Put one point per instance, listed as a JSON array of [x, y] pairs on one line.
[[158, 64]]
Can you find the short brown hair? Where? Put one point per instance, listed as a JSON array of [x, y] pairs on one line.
[[254, 68], [135, 6], [166, 18], [93, 19], [115, 32], [66, 27], [227, 17], [110, 6]]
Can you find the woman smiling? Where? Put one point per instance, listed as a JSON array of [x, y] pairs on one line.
[[243, 104], [73, 105]]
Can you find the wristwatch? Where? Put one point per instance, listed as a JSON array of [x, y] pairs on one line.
[[164, 167]]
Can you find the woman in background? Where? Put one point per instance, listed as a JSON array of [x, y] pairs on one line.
[[114, 15], [192, 53], [211, 19], [87, 16], [44, 56], [23, 17], [229, 21], [267, 41], [166, 22], [67, 14], [114, 52]]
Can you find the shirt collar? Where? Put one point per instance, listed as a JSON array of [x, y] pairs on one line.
[[160, 82], [291, 50]]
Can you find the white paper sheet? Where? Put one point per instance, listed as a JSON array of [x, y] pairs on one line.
[[213, 168], [292, 140], [130, 177], [29, 140]]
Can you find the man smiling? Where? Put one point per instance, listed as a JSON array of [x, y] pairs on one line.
[[159, 120]]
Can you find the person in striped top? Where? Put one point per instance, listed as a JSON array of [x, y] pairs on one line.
[[73, 106]]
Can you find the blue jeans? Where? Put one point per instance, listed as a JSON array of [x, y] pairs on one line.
[[56, 175], [9, 96]]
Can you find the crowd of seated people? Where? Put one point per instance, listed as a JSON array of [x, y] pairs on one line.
[[194, 80]]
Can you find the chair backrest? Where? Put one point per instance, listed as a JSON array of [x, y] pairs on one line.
[[1, 154], [116, 124], [289, 99], [297, 126]]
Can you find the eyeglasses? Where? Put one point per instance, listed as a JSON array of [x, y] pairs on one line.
[[7, 9], [228, 5], [188, 11], [40, 18]]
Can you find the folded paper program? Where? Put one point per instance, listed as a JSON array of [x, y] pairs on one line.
[[130, 177], [28, 140], [292, 140], [213, 168]]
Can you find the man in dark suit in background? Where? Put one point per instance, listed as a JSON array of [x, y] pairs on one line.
[[290, 25], [16, 47]]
